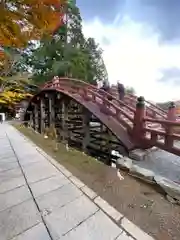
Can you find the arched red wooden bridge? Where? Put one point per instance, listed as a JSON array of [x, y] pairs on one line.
[[83, 116]]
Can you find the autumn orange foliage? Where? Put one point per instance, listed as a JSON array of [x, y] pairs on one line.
[[23, 20], [3, 59]]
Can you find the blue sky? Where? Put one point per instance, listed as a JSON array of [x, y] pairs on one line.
[[141, 43]]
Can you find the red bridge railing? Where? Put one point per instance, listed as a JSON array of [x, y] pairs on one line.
[[118, 109], [152, 110], [134, 119], [166, 137]]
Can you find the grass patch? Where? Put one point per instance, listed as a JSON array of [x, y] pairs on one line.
[[74, 160]]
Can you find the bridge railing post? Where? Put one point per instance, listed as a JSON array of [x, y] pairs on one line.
[[139, 119], [105, 106], [85, 94], [171, 116]]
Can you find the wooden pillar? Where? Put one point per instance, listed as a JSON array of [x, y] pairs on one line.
[[31, 122], [64, 121], [33, 116], [109, 138], [57, 112], [102, 130], [51, 109], [171, 116], [42, 114], [86, 129], [36, 118], [138, 120]]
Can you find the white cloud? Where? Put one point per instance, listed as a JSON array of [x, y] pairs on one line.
[[135, 56]]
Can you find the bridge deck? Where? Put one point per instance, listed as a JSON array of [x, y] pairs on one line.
[[40, 200]]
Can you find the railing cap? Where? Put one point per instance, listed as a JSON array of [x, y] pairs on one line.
[[140, 101], [172, 105]]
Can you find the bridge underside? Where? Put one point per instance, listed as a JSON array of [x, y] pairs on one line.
[[74, 124]]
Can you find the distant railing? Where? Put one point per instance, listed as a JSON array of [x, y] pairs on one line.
[[153, 110]]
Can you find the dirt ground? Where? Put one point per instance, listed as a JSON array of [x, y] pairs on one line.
[[139, 202]]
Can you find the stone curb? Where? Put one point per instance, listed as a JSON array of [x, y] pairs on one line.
[[132, 228], [170, 188]]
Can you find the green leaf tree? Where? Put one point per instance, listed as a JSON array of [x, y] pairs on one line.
[[130, 90], [67, 53]]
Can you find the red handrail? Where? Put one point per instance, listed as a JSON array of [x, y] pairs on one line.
[[130, 118], [67, 85], [162, 121], [154, 108], [89, 86], [150, 103]]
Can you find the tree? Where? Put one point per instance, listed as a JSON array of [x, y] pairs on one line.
[[10, 59], [66, 53], [130, 90], [14, 89], [26, 57], [23, 20], [61, 55], [96, 67]]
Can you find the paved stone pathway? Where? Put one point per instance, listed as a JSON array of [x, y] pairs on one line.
[[41, 200]]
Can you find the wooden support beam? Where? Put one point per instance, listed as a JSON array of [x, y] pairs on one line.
[[31, 120], [33, 116], [171, 116], [51, 108], [64, 120], [101, 130], [36, 120], [86, 129], [42, 114], [108, 144]]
